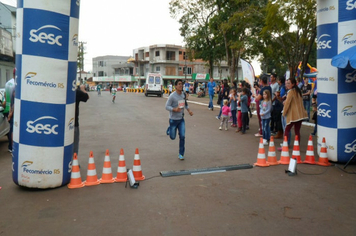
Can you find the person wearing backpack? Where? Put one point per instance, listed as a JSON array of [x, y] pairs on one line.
[[175, 105]]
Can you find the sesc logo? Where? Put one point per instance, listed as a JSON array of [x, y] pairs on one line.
[[73, 86], [323, 42], [350, 5], [351, 77], [346, 111], [350, 147], [71, 124], [324, 110], [42, 37], [39, 127]]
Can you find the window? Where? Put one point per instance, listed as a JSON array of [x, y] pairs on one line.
[[101, 73], [189, 70], [157, 53], [171, 56], [151, 80], [180, 52], [157, 80], [101, 63], [158, 68], [8, 75], [180, 68]]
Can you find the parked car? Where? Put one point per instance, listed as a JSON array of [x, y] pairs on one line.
[[4, 124]]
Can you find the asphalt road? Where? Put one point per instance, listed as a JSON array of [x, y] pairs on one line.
[[257, 201]]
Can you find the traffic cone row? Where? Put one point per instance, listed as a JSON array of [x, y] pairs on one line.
[[107, 176], [285, 158]]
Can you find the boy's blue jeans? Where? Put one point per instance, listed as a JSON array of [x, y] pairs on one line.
[[172, 132]]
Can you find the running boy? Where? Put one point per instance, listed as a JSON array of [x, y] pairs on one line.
[[113, 93]]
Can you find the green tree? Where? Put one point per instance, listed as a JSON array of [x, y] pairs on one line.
[[290, 29], [240, 23], [194, 17]]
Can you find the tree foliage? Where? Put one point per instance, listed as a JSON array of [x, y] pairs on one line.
[[280, 32], [291, 29]]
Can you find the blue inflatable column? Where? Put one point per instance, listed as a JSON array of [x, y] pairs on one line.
[[46, 62], [336, 32]]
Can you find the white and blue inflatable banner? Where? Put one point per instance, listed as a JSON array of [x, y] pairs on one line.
[[247, 72], [336, 32], [46, 62]]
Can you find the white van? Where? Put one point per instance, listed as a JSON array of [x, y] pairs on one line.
[[154, 84]]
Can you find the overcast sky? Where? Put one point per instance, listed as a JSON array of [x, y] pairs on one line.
[[116, 27]]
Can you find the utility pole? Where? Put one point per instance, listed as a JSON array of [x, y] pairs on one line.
[[81, 59], [185, 66]]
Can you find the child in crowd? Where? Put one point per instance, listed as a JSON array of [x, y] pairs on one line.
[[225, 114], [233, 107], [265, 112], [244, 109], [239, 116], [113, 93], [315, 117]]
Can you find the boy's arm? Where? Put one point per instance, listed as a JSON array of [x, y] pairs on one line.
[[169, 104]]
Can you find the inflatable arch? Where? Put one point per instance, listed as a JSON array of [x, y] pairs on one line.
[[336, 32], [46, 58], [46, 62]]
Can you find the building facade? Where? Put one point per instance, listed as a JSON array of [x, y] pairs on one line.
[[117, 70], [171, 61], [7, 42]]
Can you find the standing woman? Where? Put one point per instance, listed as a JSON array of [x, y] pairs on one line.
[[258, 89], [224, 93], [293, 108]]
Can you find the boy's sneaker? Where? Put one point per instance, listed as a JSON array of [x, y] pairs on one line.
[[181, 157], [258, 135], [217, 117], [226, 129], [220, 128]]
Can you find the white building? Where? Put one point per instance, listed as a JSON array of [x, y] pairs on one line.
[[7, 42]]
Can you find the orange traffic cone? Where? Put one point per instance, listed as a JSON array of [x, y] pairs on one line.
[[309, 157], [121, 169], [261, 156], [106, 177], [285, 153], [296, 150], [271, 157], [323, 157], [92, 178], [75, 179], [136, 169]]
